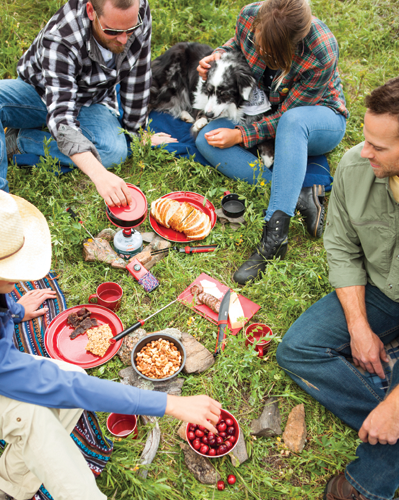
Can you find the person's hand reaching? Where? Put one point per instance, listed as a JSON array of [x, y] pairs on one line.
[[201, 410], [33, 299]]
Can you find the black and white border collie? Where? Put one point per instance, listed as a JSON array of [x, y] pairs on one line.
[[175, 79], [177, 89]]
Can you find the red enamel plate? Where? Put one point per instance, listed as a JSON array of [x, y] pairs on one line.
[[197, 201], [60, 346]]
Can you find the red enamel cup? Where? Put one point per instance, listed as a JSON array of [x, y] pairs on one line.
[[259, 335], [108, 295], [122, 426]]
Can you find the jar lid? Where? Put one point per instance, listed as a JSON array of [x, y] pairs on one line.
[[134, 212]]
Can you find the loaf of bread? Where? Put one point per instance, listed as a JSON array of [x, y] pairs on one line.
[[184, 218]]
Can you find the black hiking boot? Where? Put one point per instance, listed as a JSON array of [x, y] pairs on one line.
[[274, 243], [311, 206]]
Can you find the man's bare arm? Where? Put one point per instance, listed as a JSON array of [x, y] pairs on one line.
[[111, 187], [367, 349]]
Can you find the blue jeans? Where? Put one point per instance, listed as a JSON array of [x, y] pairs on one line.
[[301, 132], [21, 107], [317, 348]]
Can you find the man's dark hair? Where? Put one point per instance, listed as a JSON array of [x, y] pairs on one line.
[[385, 99], [98, 5]]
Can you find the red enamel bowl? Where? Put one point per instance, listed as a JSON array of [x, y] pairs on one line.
[[225, 414]]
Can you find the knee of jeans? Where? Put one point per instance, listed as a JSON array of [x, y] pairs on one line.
[[114, 152], [291, 350], [282, 354], [291, 120]]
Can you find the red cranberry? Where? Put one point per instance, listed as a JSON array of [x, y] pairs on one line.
[[220, 485], [222, 435], [205, 440], [201, 427], [212, 452], [191, 435], [232, 439], [204, 449], [231, 430], [219, 440], [231, 479], [199, 433], [229, 422], [222, 427], [212, 441], [229, 444], [196, 444]]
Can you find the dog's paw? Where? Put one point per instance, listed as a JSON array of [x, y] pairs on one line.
[[267, 160], [186, 117], [266, 152], [199, 124]]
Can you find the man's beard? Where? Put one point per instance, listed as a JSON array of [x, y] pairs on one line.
[[111, 44]]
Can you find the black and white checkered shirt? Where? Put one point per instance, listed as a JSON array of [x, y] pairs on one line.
[[65, 66]]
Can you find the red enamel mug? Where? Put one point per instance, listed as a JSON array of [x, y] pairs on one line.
[[122, 426], [259, 335], [108, 295]]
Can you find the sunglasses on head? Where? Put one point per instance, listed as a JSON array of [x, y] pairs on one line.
[[111, 32]]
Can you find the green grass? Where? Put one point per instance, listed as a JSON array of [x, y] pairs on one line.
[[368, 37]]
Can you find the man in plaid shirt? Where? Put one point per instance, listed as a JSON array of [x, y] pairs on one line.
[[67, 80]]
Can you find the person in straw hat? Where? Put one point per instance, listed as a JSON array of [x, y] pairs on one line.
[[41, 399]]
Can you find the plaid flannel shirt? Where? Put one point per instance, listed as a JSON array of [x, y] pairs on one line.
[[65, 66], [313, 79]]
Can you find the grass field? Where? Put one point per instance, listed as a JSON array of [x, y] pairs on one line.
[[367, 32]]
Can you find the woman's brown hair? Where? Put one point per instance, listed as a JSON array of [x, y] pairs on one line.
[[278, 28]]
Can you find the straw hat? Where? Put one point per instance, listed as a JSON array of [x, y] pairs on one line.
[[25, 241]]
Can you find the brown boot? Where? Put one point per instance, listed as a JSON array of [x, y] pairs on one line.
[[338, 488]]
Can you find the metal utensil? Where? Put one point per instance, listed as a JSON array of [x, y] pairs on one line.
[[75, 216], [222, 323], [188, 250], [138, 324]]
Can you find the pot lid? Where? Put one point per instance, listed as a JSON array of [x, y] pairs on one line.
[[135, 210]]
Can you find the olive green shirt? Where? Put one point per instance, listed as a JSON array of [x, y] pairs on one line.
[[362, 233]]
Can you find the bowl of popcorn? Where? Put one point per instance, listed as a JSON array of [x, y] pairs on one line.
[[158, 357]]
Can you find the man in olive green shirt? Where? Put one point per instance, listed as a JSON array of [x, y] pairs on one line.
[[336, 350]]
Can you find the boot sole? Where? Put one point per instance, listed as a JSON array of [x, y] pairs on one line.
[[316, 199]]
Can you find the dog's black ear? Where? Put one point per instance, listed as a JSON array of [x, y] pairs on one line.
[[246, 83]]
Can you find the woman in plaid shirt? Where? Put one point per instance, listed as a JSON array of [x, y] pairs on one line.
[[293, 57]]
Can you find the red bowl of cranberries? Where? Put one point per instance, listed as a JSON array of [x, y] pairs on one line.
[[211, 445]]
